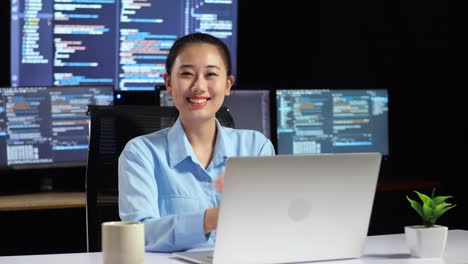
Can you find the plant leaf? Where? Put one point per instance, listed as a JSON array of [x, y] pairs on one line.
[[439, 212], [416, 206], [440, 199], [428, 213], [424, 198]]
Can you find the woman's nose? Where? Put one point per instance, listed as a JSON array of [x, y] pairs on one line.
[[199, 85]]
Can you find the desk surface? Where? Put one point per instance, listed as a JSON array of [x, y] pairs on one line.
[[39, 201], [378, 250]]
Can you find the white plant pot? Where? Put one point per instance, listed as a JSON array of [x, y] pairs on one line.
[[426, 242]]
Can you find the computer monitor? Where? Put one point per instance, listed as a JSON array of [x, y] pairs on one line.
[[250, 109], [108, 42], [46, 127], [332, 121]]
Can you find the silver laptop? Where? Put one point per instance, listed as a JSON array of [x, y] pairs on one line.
[[293, 208]]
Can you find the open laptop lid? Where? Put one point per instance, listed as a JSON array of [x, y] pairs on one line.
[[291, 208]]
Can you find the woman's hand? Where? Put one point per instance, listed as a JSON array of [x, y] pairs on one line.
[[210, 222], [211, 214]]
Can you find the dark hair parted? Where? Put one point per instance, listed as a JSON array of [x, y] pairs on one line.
[[198, 38]]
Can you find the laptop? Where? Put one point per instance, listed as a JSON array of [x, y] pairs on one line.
[[293, 208]]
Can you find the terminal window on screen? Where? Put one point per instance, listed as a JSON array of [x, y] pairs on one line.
[[108, 42], [332, 121], [250, 109], [47, 125]]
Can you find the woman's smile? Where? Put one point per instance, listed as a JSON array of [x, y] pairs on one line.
[[198, 101]]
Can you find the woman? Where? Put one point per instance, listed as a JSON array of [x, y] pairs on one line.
[[166, 178]]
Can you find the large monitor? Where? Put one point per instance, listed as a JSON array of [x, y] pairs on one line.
[[332, 121], [250, 109], [108, 42], [47, 126]]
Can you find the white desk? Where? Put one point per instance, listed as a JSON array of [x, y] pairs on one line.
[[378, 250]]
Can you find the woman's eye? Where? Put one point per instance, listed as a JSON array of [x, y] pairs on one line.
[[212, 74]]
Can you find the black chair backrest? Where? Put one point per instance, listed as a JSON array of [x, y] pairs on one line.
[[111, 128]]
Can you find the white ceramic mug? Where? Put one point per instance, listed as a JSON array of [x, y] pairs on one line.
[[123, 242]]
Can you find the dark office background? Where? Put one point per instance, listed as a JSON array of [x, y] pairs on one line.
[[416, 49]]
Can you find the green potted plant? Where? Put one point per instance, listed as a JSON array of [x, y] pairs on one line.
[[428, 240]]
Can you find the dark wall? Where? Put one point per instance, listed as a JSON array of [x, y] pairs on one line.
[[416, 49], [410, 47]]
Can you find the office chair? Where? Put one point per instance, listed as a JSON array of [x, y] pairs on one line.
[[110, 129]]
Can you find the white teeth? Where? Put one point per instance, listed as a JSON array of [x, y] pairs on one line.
[[197, 101]]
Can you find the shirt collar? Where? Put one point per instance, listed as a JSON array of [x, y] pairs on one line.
[[179, 147], [221, 152]]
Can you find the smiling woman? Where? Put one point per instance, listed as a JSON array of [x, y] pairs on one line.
[[199, 79], [170, 179]]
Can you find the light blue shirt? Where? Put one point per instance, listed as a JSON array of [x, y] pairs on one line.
[[162, 183]]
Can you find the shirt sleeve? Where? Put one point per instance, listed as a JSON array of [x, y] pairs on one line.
[[138, 201], [267, 149]]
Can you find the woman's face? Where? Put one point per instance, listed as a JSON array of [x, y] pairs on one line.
[[198, 82]]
